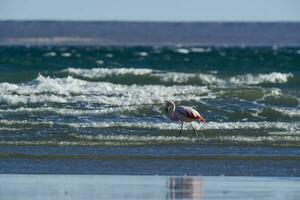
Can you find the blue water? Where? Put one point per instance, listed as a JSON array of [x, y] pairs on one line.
[[87, 110]]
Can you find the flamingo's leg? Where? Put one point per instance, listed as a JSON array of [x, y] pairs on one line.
[[194, 129], [181, 128]]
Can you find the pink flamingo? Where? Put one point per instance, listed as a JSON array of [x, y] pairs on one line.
[[183, 114]]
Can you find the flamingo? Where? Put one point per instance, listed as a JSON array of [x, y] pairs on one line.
[[183, 114]]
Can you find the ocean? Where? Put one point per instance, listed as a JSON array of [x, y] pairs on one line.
[[99, 110]]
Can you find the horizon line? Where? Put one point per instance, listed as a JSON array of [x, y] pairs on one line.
[[146, 21]]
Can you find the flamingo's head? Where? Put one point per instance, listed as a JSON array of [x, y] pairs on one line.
[[169, 107]]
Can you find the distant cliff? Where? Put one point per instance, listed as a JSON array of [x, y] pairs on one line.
[[148, 33]]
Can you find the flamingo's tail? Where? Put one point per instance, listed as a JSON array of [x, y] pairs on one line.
[[201, 119]]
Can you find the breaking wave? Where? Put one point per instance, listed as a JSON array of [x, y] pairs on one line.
[[175, 126], [161, 125], [281, 140], [288, 111], [86, 102], [104, 72], [69, 111], [180, 77], [69, 89], [249, 79]]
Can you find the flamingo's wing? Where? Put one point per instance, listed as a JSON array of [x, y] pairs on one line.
[[188, 112]]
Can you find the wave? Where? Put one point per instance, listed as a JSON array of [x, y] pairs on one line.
[[192, 49], [180, 77], [146, 138], [108, 140], [181, 139], [182, 51], [69, 89], [263, 139], [174, 77], [104, 72], [31, 98], [24, 124], [249, 79], [200, 50], [162, 125], [69, 111], [175, 126], [133, 140], [208, 79], [267, 113], [288, 111], [12, 129], [177, 77]]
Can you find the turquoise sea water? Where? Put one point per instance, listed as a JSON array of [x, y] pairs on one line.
[[88, 110]]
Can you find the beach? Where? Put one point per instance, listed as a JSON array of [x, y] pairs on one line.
[[146, 187]]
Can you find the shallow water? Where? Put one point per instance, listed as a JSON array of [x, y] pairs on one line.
[[147, 187], [62, 108]]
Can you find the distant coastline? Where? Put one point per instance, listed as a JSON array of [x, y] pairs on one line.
[[104, 33]]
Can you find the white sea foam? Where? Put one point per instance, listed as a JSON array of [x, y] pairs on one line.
[[25, 122], [71, 112], [274, 92], [111, 140], [62, 90], [200, 50], [69, 89], [249, 79], [180, 77], [142, 54], [164, 125], [182, 51], [175, 126], [177, 77], [288, 111], [116, 140], [99, 62], [32, 98], [104, 72], [297, 132], [66, 54], [252, 125], [133, 138], [256, 139], [12, 129]]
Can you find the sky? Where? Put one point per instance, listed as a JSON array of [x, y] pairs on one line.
[[151, 10]]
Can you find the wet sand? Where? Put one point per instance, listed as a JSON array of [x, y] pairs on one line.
[[147, 187]]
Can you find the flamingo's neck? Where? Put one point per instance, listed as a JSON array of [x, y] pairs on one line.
[[171, 112]]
